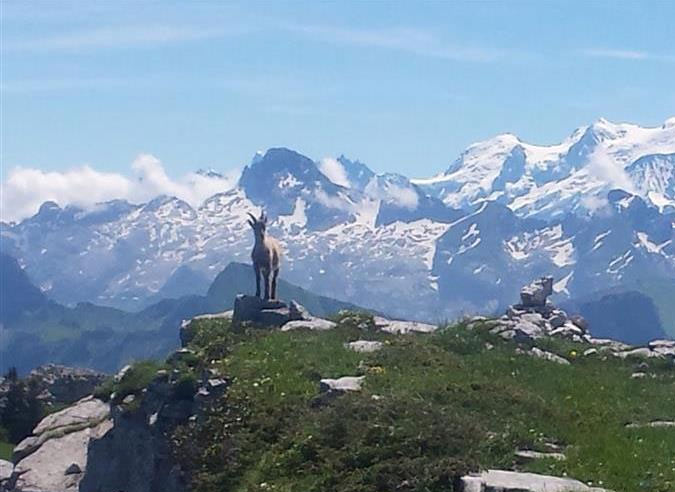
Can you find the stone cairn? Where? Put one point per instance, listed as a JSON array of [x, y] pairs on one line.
[[535, 316]]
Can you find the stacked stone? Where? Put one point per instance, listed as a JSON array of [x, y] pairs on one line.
[[535, 316]]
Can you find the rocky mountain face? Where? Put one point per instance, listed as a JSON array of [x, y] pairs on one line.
[[595, 211]]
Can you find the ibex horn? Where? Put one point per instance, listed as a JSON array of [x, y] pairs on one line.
[[252, 217]]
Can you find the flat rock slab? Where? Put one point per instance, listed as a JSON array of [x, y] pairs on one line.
[[45, 469], [317, 324], [402, 327], [88, 411], [364, 346], [509, 481], [346, 383]]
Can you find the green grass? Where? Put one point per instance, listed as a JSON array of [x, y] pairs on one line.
[[6, 449], [433, 407], [132, 383]]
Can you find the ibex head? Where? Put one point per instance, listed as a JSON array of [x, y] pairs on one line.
[[258, 225]]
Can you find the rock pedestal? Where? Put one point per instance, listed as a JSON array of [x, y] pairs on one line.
[[268, 312], [264, 312]]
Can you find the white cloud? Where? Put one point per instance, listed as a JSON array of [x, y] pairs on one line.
[[402, 196], [609, 171], [115, 37], [334, 171], [25, 189], [420, 42], [596, 205], [628, 55]]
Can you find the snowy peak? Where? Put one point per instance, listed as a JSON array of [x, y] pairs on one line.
[[357, 173], [283, 181], [575, 175]]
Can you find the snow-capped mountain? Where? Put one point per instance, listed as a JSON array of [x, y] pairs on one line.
[[596, 211], [573, 176]]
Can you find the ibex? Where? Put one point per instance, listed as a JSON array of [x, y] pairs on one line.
[[265, 255]]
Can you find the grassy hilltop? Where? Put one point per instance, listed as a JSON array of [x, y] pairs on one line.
[[432, 407]]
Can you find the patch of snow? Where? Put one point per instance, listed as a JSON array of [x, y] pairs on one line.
[[597, 242], [560, 286], [643, 241]]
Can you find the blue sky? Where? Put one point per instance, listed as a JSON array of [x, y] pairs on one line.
[[402, 86]]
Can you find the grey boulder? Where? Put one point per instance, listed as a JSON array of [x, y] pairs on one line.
[[509, 481], [537, 292]]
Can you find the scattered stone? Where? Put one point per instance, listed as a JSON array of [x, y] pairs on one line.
[[127, 400], [661, 344], [638, 375], [402, 327], [525, 455], [612, 345], [590, 351], [121, 373], [509, 481], [346, 383], [297, 312], [543, 354], [314, 324], [656, 424], [642, 352], [364, 346]]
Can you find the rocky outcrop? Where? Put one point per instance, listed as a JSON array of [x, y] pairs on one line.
[[145, 419], [272, 313], [293, 316], [536, 317], [55, 384], [49, 460], [64, 385], [6, 469], [509, 481]]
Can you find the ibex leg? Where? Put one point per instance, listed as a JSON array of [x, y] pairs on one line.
[[266, 277], [275, 274], [257, 280]]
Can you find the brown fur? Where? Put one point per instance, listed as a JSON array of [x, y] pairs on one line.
[[266, 256]]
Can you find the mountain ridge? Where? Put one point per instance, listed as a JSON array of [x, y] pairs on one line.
[[389, 243]]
